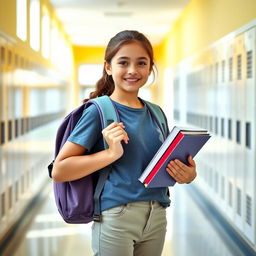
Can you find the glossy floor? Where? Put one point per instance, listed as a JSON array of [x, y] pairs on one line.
[[189, 233]]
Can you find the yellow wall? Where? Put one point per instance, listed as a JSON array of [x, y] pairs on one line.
[[88, 55], [201, 23]]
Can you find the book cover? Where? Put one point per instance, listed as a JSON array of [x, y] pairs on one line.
[[179, 145]]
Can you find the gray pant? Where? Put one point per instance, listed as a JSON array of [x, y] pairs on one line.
[[135, 229]]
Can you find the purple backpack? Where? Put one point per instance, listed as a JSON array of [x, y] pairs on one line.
[[78, 201]]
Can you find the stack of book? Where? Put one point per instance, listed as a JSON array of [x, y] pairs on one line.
[[180, 144]]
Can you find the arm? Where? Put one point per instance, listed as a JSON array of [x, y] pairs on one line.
[[72, 164], [182, 173]]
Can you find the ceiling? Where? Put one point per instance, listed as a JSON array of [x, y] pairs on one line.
[[94, 22]]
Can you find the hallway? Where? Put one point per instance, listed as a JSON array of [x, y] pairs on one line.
[[189, 232]]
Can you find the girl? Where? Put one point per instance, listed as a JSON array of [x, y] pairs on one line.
[[134, 218]]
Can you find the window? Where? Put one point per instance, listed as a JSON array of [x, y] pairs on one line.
[[35, 24], [46, 34], [88, 75], [21, 20]]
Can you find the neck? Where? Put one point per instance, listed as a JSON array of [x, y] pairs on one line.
[[129, 100]]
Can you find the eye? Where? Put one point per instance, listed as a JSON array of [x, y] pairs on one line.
[[123, 63], [142, 63]]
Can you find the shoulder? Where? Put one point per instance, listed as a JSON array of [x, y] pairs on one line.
[[91, 110]]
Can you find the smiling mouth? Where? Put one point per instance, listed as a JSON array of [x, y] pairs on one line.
[[131, 80]]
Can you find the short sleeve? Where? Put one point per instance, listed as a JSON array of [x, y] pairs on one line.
[[88, 129], [167, 131]]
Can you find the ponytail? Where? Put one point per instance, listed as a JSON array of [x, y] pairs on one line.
[[105, 86]]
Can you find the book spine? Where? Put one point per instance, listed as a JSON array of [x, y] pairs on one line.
[[158, 155], [163, 159]]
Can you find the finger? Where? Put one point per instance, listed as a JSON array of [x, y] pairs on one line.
[[116, 131], [111, 126], [178, 168], [173, 171], [191, 161], [113, 129], [176, 176]]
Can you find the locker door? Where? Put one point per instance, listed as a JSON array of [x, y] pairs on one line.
[[249, 128], [231, 117], [239, 109]]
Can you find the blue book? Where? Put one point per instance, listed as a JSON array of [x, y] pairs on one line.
[[179, 144]]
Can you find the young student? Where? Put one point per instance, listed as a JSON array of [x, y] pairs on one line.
[[134, 217]]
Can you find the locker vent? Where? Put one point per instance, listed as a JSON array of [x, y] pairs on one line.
[[230, 63], [249, 64], [2, 205], [223, 71], [216, 72], [248, 135], [216, 125], [9, 58], [239, 201], [22, 184], [239, 67], [230, 129], [216, 182], [16, 128], [210, 177], [2, 54], [222, 127], [16, 61], [10, 130], [10, 197], [16, 191], [223, 187], [248, 210], [230, 193], [211, 126], [2, 133], [238, 132]]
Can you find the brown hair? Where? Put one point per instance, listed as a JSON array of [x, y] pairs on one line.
[[105, 86]]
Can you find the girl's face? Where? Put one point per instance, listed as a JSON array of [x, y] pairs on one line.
[[130, 68]]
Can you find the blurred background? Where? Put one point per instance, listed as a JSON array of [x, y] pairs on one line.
[[51, 55]]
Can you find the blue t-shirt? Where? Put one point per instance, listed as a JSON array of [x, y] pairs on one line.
[[145, 138]]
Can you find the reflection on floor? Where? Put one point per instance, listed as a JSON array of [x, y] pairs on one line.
[[189, 232]]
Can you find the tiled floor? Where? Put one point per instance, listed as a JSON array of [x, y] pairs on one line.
[[189, 233]]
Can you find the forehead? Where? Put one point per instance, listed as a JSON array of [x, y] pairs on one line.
[[132, 50]]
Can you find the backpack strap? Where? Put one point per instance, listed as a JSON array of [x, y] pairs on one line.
[[108, 114], [107, 111], [159, 116]]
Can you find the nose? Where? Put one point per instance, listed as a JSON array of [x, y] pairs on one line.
[[132, 69]]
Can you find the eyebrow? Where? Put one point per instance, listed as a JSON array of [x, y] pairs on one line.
[[127, 58]]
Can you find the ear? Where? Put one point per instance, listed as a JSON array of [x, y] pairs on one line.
[[108, 68]]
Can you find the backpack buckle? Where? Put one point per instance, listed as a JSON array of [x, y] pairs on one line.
[[97, 218]]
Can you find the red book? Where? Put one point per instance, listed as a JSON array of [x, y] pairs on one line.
[[179, 145]]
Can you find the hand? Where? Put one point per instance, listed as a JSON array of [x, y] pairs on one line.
[[114, 134], [180, 172]]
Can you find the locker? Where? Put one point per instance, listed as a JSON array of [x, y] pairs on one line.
[[219, 83], [249, 135]]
